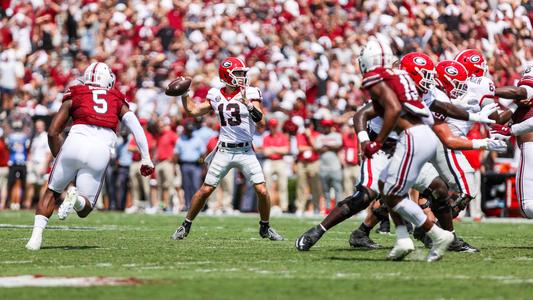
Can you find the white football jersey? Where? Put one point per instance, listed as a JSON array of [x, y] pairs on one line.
[[377, 123], [480, 92], [236, 125]]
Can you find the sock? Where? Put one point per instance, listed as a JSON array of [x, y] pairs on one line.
[[322, 227], [39, 224], [187, 222], [411, 212], [264, 223], [401, 232], [434, 232], [80, 204], [365, 228]]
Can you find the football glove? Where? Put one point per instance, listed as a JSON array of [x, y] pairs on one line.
[[496, 145], [483, 115], [500, 132], [147, 167], [371, 148]]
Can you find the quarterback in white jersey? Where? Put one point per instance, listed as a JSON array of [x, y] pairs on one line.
[[238, 108]]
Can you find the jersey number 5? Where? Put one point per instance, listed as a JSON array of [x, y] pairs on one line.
[[235, 113], [100, 105]]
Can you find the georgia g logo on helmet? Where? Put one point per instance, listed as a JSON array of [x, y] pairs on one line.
[[475, 58], [226, 64], [420, 61], [450, 70]]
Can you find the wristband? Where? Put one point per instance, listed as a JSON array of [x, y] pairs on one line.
[[529, 91], [473, 117], [250, 107], [512, 107], [362, 136], [479, 144]]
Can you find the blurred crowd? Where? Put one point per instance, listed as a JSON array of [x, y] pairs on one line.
[[302, 55]]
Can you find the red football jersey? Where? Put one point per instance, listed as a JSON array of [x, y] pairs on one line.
[[93, 105], [400, 82], [524, 112]]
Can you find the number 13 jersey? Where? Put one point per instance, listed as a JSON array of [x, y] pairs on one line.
[[236, 125]]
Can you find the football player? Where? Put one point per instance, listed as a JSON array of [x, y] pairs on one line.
[[522, 127], [96, 107], [238, 108]]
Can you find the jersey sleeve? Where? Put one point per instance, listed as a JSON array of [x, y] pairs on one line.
[[527, 83], [371, 78], [253, 93], [213, 96], [121, 98], [487, 92]]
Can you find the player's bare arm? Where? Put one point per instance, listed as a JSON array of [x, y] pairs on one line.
[[55, 132], [486, 115], [194, 109], [511, 92], [386, 97]]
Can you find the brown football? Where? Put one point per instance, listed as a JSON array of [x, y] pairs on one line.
[[178, 86]]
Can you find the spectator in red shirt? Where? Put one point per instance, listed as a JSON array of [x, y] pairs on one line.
[[308, 169], [165, 169], [475, 157], [276, 145], [4, 169], [140, 185], [350, 161]]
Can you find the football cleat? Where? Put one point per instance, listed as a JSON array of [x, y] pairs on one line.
[[359, 239], [459, 245], [266, 231], [67, 207], [182, 231], [309, 238], [401, 249], [34, 243], [440, 244], [384, 227], [420, 235]]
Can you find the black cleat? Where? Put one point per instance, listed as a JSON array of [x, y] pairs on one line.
[[265, 231], [182, 231], [309, 238], [359, 239], [384, 227], [420, 235], [459, 245]]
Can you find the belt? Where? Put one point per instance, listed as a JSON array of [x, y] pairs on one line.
[[234, 145]]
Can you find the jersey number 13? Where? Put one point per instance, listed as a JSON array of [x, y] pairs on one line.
[[235, 114]]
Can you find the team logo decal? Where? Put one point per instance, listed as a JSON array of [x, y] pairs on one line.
[[528, 70], [475, 59], [420, 61], [226, 64], [451, 70]]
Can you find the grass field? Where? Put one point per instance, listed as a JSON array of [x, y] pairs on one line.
[[224, 258]]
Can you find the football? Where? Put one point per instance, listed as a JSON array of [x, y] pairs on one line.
[[178, 86]]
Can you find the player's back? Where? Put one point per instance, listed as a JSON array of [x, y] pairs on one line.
[[402, 85], [524, 112], [95, 111]]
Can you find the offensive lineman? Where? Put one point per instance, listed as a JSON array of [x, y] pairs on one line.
[[238, 108], [96, 108]]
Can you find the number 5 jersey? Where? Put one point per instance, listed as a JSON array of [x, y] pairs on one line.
[[236, 125]]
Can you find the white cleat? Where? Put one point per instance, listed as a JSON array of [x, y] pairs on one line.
[[440, 245], [401, 249], [34, 243], [67, 206]]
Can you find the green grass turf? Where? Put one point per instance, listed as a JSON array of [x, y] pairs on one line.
[[224, 258]]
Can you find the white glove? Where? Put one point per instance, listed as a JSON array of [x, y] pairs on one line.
[[483, 115], [496, 145]]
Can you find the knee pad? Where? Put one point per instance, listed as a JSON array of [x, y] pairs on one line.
[[526, 207], [355, 203], [382, 212]]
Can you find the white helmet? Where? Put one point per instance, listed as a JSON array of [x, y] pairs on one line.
[[99, 74], [375, 54]]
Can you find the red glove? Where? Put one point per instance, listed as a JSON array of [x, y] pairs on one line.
[[371, 148], [147, 168], [500, 132]]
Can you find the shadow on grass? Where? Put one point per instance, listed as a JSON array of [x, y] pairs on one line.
[[360, 249], [71, 247], [510, 247], [364, 259]]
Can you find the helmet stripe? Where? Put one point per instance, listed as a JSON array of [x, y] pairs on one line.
[[459, 54], [242, 62], [94, 71]]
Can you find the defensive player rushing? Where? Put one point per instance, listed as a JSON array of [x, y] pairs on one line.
[[522, 127], [238, 107], [96, 108], [427, 183]]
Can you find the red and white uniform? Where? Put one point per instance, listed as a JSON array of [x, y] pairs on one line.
[[86, 151], [236, 130], [416, 145]]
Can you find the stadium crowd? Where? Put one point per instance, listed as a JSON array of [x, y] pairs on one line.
[[302, 55]]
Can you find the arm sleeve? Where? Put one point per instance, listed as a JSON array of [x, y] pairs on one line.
[[522, 127], [130, 120]]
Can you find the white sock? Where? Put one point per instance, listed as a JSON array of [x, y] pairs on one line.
[[39, 224], [80, 204], [410, 212], [401, 232], [434, 232]]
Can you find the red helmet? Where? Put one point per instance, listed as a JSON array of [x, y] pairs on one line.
[[473, 61], [452, 76], [227, 69], [421, 69]]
